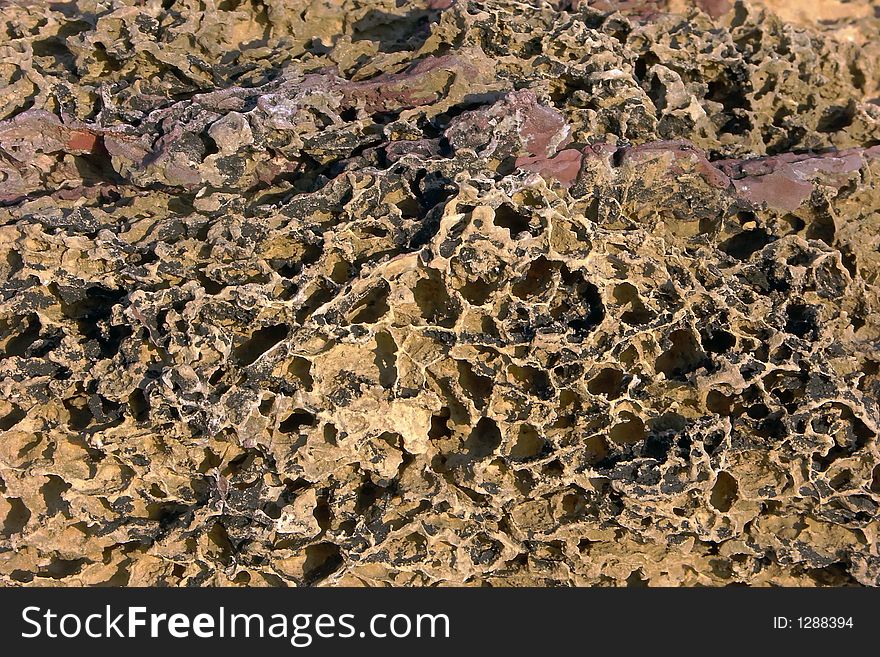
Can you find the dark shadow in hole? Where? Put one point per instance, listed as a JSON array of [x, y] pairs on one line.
[[16, 518], [373, 306], [724, 492], [395, 33], [515, 222], [30, 333], [536, 280], [301, 368], [296, 420], [837, 117], [529, 444], [12, 418], [432, 297], [628, 432], [608, 382], [742, 245], [138, 405], [683, 356], [322, 560], [475, 386], [386, 359], [802, 320], [440, 426], [261, 341], [484, 439], [80, 413], [716, 340]]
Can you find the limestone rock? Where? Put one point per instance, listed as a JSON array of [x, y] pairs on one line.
[[446, 292]]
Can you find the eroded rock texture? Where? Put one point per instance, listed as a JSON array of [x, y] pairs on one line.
[[377, 292]]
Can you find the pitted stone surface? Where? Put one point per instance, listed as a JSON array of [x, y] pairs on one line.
[[468, 293]]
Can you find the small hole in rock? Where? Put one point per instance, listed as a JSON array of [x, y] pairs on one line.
[[386, 359], [719, 403], [636, 580], [475, 386], [476, 292], [440, 425], [724, 492], [373, 306], [434, 301], [528, 443], [484, 439], [296, 420], [322, 560], [536, 280], [628, 432], [301, 369], [138, 405], [742, 245], [513, 221], [261, 341], [608, 382], [12, 418], [80, 413], [16, 518], [801, 320], [682, 357], [840, 480], [717, 341], [637, 314]]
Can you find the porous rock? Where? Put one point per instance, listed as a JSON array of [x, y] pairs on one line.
[[444, 292]]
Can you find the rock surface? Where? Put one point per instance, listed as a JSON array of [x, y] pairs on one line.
[[443, 292]]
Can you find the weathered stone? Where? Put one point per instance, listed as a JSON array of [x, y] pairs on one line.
[[498, 292]]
